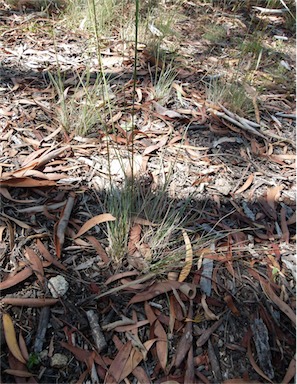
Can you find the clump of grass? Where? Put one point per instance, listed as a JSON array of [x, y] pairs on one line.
[[82, 110], [163, 83], [252, 45], [232, 95], [162, 232], [279, 75], [215, 33], [109, 15], [119, 202], [46, 6]]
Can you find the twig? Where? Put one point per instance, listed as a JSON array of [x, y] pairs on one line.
[[125, 321], [248, 125], [239, 124], [242, 122], [286, 115], [269, 11]]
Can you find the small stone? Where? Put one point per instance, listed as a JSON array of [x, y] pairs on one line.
[[58, 286], [223, 186], [59, 361], [43, 355]]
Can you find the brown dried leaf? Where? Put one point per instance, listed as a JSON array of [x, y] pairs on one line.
[[140, 375], [273, 195], [18, 173], [208, 332], [284, 226], [26, 182], [23, 347], [134, 238], [189, 258], [10, 338], [13, 280], [185, 342], [253, 363], [228, 299], [290, 372], [135, 358], [98, 247], [61, 226], [153, 148], [46, 157], [284, 307], [121, 275], [95, 221], [246, 184], [46, 254], [165, 112], [131, 327], [35, 264], [209, 315], [18, 222], [159, 332], [83, 355], [116, 369], [32, 156], [4, 192], [190, 373], [155, 290], [16, 372]]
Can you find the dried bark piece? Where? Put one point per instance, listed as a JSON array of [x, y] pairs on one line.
[[97, 334], [41, 330], [261, 340]]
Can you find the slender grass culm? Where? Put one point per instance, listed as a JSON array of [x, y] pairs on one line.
[[134, 90]]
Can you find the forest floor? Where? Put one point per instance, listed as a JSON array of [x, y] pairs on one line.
[[173, 235]]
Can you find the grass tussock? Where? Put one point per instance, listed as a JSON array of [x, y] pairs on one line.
[[232, 95], [82, 110]]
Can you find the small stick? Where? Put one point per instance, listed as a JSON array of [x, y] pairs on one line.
[[286, 115], [125, 321]]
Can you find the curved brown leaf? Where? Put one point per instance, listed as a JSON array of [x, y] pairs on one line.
[[16, 279], [246, 184], [10, 338], [189, 258], [35, 264], [46, 254], [290, 372], [253, 362], [98, 247], [94, 221], [159, 332], [284, 307], [83, 355], [60, 227], [273, 195], [134, 238], [155, 290]]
